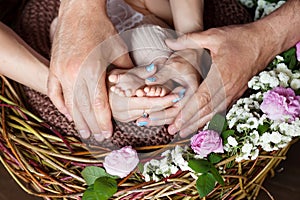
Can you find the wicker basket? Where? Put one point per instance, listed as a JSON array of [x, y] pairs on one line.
[[47, 164]]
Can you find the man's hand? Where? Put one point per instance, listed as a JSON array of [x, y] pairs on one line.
[[234, 61], [76, 82]]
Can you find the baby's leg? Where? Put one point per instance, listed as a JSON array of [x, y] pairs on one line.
[[147, 47]]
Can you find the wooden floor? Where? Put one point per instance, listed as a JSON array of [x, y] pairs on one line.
[[285, 185]]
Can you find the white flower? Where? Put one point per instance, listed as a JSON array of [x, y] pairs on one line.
[[147, 177], [248, 3], [232, 141], [279, 58], [253, 122], [262, 119], [295, 84], [155, 177], [239, 158], [154, 162], [275, 137], [266, 78], [254, 154], [166, 153], [284, 78], [281, 67], [254, 137], [247, 148], [232, 122]]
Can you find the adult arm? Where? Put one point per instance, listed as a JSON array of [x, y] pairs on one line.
[[238, 53], [19, 62], [76, 83]]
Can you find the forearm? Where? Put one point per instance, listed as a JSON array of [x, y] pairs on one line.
[[21, 63], [280, 29], [187, 15]]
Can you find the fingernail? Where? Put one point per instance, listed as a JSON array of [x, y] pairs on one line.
[[99, 137], [84, 134], [106, 134], [181, 95], [172, 130], [150, 68], [142, 123], [151, 79], [176, 100]]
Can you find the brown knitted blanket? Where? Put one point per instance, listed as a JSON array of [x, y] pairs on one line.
[[34, 25]]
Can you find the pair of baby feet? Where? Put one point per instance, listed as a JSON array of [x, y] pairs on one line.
[[132, 82]]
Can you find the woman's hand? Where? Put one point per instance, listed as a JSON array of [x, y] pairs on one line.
[[184, 68], [76, 83], [126, 109]]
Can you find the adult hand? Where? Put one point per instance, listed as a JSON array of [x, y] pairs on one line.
[[76, 82], [184, 68], [126, 109], [234, 61]]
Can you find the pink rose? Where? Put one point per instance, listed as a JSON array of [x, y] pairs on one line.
[[281, 104], [121, 162], [206, 142], [298, 51]]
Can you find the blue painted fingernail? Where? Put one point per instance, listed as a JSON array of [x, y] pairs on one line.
[[182, 93], [151, 79], [176, 100], [142, 123], [150, 68]]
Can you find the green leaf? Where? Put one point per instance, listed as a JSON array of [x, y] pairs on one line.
[[91, 173], [214, 158], [140, 167], [226, 134], [205, 184], [91, 194], [200, 166], [217, 123], [217, 175], [105, 187], [263, 128]]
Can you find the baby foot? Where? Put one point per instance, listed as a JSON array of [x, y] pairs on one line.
[[128, 82], [158, 90]]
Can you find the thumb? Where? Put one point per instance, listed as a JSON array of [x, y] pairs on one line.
[[188, 41]]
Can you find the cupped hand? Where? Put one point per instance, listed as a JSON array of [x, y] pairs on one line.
[[76, 83], [185, 68], [238, 53]]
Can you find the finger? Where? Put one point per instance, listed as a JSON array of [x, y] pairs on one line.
[[149, 122], [86, 118], [101, 109], [56, 95], [195, 103], [196, 122], [141, 72], [149, 103], [193, 128], [190, 41], [80, 124]]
